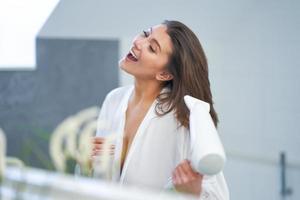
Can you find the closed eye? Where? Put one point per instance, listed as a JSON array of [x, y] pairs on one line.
[[151, 48], [146, 34]]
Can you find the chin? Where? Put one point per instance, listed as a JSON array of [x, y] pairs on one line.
[[122, 65], [121, 62], [124, 68]]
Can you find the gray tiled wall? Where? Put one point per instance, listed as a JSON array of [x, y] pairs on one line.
[[71, 74]]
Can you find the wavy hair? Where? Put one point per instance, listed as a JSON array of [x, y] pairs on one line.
[[188, 65]]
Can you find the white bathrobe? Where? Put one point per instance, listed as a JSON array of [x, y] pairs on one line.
[[157, 148]]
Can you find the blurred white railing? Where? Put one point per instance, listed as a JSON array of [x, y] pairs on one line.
[[30, 184]]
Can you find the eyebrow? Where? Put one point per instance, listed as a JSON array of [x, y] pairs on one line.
[[153, 39]]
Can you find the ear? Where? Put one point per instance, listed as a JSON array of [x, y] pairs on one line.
[[164, 76]]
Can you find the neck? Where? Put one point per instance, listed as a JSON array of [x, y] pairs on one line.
[[145, 91]]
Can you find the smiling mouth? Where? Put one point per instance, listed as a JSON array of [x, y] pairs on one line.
[[131, 56]]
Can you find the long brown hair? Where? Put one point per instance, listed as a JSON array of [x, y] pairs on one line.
[[188, 65]]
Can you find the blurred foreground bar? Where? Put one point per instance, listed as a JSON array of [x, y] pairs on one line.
[[30, 184]]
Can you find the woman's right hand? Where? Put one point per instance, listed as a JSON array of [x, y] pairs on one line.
[[97, 147]]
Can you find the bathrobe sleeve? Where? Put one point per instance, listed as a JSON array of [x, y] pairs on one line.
[[102, 118], [213, 187], [108, 108]]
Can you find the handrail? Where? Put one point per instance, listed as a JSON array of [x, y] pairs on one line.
[[30, 183], [261, 159]]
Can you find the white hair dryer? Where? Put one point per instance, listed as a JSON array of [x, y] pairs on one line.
[[207, 153]]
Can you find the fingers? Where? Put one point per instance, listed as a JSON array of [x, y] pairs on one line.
[[98, 140], [187, 168], [184, 173], [186, 180], [175, 178], [178, 176], [100, 151], [99, 146], [181, 175], [97, 143]]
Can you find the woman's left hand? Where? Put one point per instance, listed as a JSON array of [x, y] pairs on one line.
[[185, 179]]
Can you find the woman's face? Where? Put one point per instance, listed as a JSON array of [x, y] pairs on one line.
[[149, 54]]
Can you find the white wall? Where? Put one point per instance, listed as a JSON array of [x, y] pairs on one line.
[[20, 22], [252, 49]]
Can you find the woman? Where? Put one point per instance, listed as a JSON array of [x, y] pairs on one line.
[[167, 62]]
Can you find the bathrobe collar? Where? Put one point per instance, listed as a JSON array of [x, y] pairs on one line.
[[140, 131]]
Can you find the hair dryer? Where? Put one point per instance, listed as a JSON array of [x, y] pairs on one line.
[[207, 154]]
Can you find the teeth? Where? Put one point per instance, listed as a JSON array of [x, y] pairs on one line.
[[133, 54]]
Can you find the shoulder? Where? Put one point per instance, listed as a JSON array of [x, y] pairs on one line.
[[118, 93]]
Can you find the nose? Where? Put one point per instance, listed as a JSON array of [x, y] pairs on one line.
[[138, 42]]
